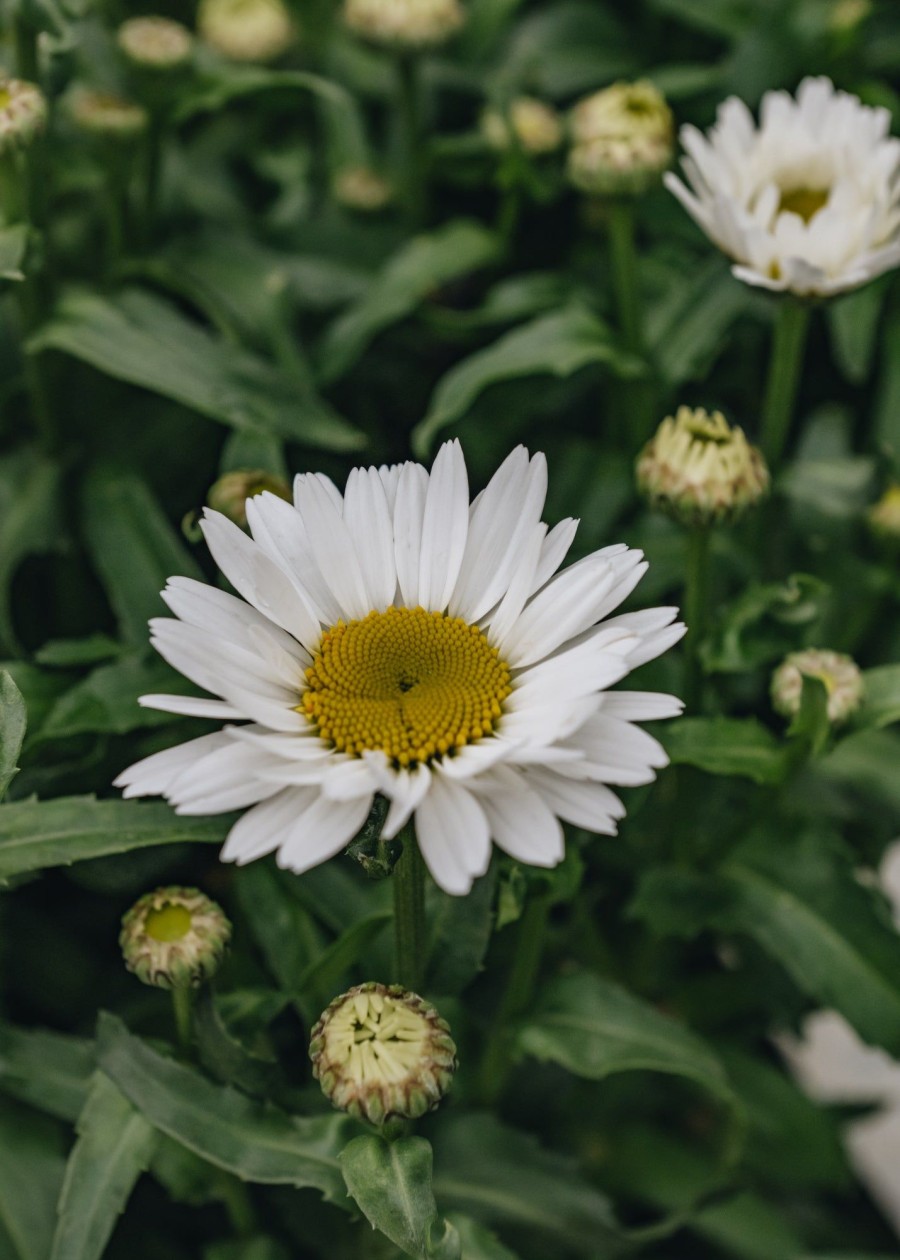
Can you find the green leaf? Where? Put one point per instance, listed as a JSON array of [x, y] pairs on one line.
[[31, 1172], [727, 746], [49, 1070], [728, 18], [764, 623], [38, 834], [478, 1243], [255, 1142], [866, 763], [320, 979], [502, 1176], [671, 901], [558, 344], [224, 1056], [283, 928], [106, 702], [853, 325], [810, 727], [595, 1029], [13, 244], [12, 729], [66, 653], [886, 417], [30, 521], [133, 546], [460, 935], [139, 338], [688, 327], [391, 1184], [801, 901], [881, 697], [419, 269], [115, 1145]]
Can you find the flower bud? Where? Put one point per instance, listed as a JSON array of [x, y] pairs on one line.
[[700, 470], [246, 30], [362, 188], [622, 140], [105, 114], [531, 124], [883, 517], [23, 114], [379, 1051], [847, 15], [174, 938], [839, 673], [230, 493], [408, 24], [155, 43]]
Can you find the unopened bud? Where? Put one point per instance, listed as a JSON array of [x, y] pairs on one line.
[[531, 124], [380, 1052], [174, 938], [361, 188], [839, 674], [247, 30], [622, 140], [155, 43], [106, 114], [230, 493], [883, 517], [23, 114], [408, 24]]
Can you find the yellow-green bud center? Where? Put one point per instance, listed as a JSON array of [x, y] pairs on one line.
[[805, 202], [169, 923]]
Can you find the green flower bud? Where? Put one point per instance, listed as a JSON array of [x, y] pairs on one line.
[[361, 188], [174, 938], [247, 30], [883, 517], [404, 24], [535, 126], [622, 140], [700, 470], [380, 1052], [155, 43], [230, 493], [23, 114], [840, 674], [106, 114]]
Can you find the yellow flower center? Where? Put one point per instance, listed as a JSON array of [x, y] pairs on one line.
[[373, 1038], [806, 202], [410, 683], [5, 98], [168, 923]]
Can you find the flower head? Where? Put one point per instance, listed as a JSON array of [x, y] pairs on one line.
[[398, 639], [839, 673], [883, 517], [246, 30], [106, 114], [230, 493], [701, 470], [534, 125], [155, 43], [174, 938], [379, 1051], [362, 188], [23, 113], [404, 23], [622, 140], [808, 201]]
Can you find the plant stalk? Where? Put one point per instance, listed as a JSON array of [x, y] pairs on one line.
[[623, 258], [182, 1008], [409, 913], [785, 367], [696, 600], [412, 153]]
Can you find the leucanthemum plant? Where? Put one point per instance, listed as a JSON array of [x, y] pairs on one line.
[[398, 639]]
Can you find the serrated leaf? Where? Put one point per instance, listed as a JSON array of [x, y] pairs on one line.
[[255, 1142], [38, 834], [115, 1145], [478, 1243], [31, 1172], [391, 1184], [49, 1070], [141, 339], [595, 1029], [558, 344], [420, 268], [106, 702], [727, 746], [12, 729], [225, 1057]]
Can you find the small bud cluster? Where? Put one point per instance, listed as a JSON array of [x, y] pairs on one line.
[[839, 673], [230, 493], [246, 30], [105, 114], [700, 470], [379, 1051], [155, 43], [362, 188], [531, 124], [174, 938], [622, 140], [23, 114], [404, 24]]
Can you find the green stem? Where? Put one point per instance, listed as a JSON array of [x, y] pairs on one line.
[[238, 1205], [695, 607], [413, 158], [788, 344], [26, 50], [409, 913], [623, 258], [182, 1007], [153, 161], [516, 998]]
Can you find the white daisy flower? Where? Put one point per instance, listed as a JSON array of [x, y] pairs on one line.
[[809, 201], [398, 639]]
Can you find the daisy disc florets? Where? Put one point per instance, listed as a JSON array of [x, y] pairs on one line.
[[808, 201], [399, 639]]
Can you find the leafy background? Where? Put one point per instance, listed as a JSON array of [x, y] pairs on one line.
[[636, 1102]]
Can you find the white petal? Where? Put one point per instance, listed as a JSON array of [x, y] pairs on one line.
[[521, 822], [152, 775], [641, 706], [453, 835], [409, 511], [588, 805], [261, 829], [371, 528], [278, 528], [189, 706], [321, 831], [445, 525], [332, 546]]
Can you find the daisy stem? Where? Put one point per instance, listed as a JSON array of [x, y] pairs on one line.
[[182, 1007], [409, 913], [695, 605], [623, 259], [785, 366], [412, 155]]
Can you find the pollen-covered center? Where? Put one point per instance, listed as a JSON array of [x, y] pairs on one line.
[[374, 1038], [410, 683], [805, 202]]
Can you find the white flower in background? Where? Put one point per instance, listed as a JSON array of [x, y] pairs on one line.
[[398, 639], [809, 201], [839, 674], [404, 23], [155, 43], [23, 113]]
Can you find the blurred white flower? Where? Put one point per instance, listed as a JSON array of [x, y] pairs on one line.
[[808, 201]]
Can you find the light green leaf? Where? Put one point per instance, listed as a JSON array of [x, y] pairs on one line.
[[253, 1141], [115, 1145], [30, 521], [478, 1243], [559, 344], [391, 1184], [422, 266], [865, 763], [728, 746], [49, 1070], [13, 244], [66, 653], [38, 834], [107, 700], [802, 902], [595, 1029], [12, 730], [728, 18], [31, 1172], [881, 697], [146, 341]]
